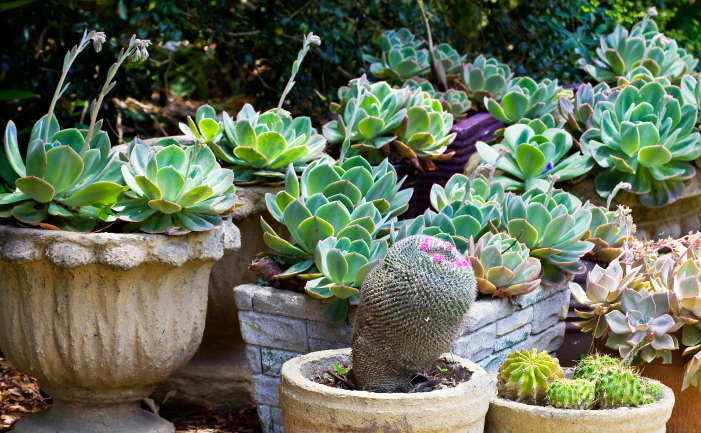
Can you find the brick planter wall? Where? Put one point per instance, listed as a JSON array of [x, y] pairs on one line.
[[278, 325]]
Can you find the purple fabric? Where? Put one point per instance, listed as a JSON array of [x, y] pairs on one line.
[[478, 127]]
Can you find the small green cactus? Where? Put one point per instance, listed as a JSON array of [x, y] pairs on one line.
[[526, 376], [576, 394], [591, 367], [654, 390], [621, 388]]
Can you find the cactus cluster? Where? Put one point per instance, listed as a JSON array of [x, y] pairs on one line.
[[598, 382], [412, 305]]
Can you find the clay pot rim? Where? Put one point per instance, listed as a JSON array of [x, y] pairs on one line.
[[666, 403], [291, 372]]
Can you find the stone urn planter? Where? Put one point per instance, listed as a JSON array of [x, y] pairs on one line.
[[278, 325], [477, 127], [308, 406], [99, 319], [507, 416]]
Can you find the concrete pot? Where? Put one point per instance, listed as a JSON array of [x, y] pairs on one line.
[[506, 416], [311, 407], [278, 325], [98, 319]]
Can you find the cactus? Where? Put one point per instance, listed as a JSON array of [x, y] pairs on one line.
[[592, 366], [620, 388], [654, 390], [576, 394], [411, 308], [526, 376]]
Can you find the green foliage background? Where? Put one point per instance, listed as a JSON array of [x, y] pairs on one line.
[[244, 49]]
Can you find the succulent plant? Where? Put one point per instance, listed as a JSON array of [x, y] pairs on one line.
[[329, 198], [604, 288], [525, 99], [260, 147], [399, 61], [412, 306], [532, 157], [641, 314], [344, 261], [577, 112], [425, 132], [450, 58], [455, 102], [647, 139], [607, 232], [551, 224], [577, 394], [526, 376], [402, 37], [591, 367], [422, 84], [691, 92], [485, 78], [622, 52], [67, 179], [175, 190], [502, 266], [480, 188], [621, 388], [378, 117]]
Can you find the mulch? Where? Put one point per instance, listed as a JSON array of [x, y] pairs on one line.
[[20, 395]]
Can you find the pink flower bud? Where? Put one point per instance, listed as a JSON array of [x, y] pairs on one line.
[[438, 258]]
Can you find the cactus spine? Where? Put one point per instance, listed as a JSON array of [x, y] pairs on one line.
[[525, 376], [572, 394]]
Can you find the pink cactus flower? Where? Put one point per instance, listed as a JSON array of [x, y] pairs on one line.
[[438, 258]]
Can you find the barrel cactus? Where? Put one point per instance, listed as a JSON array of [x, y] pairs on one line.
[[525, 99], [647, 139], [485, 78], [577, 394], [591, 367], [526, 376], [532, 157], [174, 190], [412, 305], [502, 266], [621, 388]]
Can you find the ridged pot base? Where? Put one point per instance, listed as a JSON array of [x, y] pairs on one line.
[[116, 418]]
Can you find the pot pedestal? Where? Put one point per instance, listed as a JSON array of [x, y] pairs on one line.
[[99, 319]]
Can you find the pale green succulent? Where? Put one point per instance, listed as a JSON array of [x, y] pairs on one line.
[[502, 265], [175, 190], [607, 232], [205, 128], [401, 57], [551, 224], [479, 188], [532, 157], [645, 138], [621, 54], [378, 118], [329, 198], [691, 92], [578, 112], [449, 57], [485, 78], [455, 102], [402, 37], [526, 99], [425, 132]]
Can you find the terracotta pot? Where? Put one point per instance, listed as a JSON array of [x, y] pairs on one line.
[[309, 407], [686, 417], [506, 416], [98, 319]]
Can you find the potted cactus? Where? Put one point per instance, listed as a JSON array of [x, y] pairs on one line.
[[535, 394], [409, 290], [100, 318]]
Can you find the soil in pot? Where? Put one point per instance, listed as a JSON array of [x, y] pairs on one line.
[[686, 417]]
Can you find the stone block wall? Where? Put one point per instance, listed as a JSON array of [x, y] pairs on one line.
[[278, 325]]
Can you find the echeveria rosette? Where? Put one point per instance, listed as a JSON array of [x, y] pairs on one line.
[[551, 224], [532, 157], [205, 128], [400, 63], [329, 198], [607, 233], [578, 111], [480, 188], [502, 266], [259, 147], [642, 314], [377, 120], [526, 99], [455, 102], [401, 37], [450, 58], [485, 78], [175, 190], [424, 134], [56, 186], [691, 92], [604, 288], [344, 261], [645, 138]]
